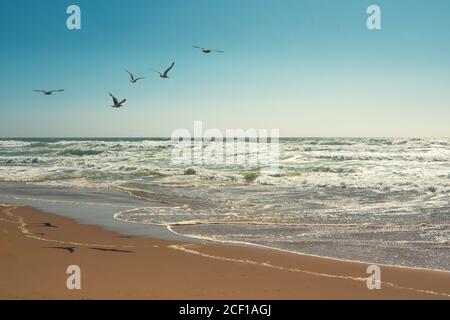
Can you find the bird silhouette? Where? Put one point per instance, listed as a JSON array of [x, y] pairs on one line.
[[132, 78], [49, 92], [164, 74], [206, 50], [116, 102]]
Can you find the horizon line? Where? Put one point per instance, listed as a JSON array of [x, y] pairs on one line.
[[281, 137]]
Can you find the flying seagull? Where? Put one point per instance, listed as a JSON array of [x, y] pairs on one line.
[[48, 92], [206, 50], [132, 78], [164, 74], [116, 102]]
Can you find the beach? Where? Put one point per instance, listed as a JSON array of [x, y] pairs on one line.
[[37, 247], [377, 200], [238, 150]]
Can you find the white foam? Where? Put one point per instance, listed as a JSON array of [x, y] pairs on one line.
[[170, 227]]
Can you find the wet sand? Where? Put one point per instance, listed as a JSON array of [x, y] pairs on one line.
[[36, 248]]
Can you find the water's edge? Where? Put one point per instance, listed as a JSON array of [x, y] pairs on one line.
[[80, 209]]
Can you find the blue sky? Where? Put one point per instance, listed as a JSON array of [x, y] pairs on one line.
[[308, 68]]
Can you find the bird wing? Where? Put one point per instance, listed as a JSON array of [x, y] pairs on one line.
[[197, 47], [220, 51], [140, 78], [131, 75], [114, 99], [39, 91], [122, 101], [60, 90], [168, 69]]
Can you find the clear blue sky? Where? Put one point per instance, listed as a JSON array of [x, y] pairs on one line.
[[309, 68]]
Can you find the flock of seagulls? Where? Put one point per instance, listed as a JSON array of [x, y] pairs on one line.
[[133, 79]]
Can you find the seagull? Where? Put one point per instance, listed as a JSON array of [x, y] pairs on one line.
[[116, 102], [206, 50], [48, 92], [132, 78], [164, 74]]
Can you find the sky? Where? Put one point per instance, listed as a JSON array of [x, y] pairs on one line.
[[305, 67]]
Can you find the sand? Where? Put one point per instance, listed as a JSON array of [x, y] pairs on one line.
[[36, 248]]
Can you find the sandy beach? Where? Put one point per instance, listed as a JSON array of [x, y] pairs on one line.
[[36, 249]]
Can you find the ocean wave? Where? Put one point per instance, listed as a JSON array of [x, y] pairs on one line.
[[420, 165], [80, 152], [352, 156], [18, 160], [336, 143], [6, 144], [186, 216], [321, 169]]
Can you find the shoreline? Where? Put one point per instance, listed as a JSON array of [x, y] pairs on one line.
[[260, 246], [170, 227], [79, 202], [162, 269]]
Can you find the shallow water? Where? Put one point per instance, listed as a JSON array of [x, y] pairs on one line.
[[374, 200], [88, 206]]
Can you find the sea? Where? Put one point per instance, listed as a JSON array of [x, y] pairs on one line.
[[376, 200]]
